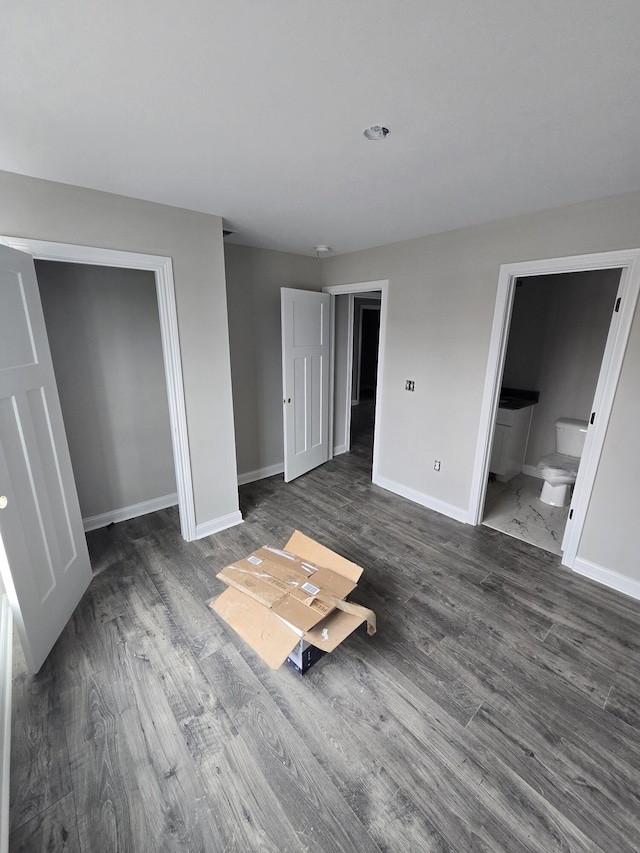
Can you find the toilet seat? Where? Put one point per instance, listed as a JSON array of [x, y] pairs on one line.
[[558, 468], [559, 473]]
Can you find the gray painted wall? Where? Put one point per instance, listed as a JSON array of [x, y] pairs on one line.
[[44, 210], [558, 332], [442, 296], [254, 279], [104, 333]]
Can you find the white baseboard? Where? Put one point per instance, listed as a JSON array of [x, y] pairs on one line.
[[6, 642], [532, 471], [424, 500], [93, 522], [218, 524], [340, 448], [607, 577], [260, 474]]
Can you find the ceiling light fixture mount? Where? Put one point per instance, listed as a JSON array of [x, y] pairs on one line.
[[376, 131], [322, 250]]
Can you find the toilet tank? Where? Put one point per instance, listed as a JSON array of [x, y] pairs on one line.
[[570, 436]]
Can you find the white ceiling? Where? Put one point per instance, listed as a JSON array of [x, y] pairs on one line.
[[254, 109]]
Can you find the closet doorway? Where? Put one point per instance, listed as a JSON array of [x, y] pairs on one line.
[[104, 334], [161, 268]]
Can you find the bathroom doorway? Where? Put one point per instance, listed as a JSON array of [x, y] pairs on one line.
[[557, 337], [626, 260]]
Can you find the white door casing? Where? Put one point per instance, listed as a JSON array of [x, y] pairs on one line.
[[44, 561], [306, 356]]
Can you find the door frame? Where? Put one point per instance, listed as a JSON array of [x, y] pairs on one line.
[[382, 286], [629, 262], [162, 268]]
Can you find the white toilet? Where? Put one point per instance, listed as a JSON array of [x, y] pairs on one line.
[[560, 469]]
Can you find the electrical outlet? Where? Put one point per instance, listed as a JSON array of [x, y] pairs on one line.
[[409, 385], [436, 464]]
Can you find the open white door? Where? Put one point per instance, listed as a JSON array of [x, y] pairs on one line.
[[306, 355], [44, 559]]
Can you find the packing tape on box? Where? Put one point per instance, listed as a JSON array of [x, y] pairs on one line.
[[347, 607], [262, 575]]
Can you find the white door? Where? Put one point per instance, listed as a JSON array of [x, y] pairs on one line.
[[44, 559], [306, 353]]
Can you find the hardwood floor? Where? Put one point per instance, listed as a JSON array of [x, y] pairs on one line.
[[496, 709]]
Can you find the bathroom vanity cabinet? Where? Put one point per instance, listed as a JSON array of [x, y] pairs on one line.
[[510, 442]]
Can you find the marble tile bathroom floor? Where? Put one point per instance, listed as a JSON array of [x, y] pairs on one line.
[[515, 508]]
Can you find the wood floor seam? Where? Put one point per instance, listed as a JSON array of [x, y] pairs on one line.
[[551, 627], [470, 720]]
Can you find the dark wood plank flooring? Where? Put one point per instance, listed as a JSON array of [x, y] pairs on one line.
[[496, 709]]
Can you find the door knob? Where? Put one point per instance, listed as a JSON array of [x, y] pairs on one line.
[[3, 501]]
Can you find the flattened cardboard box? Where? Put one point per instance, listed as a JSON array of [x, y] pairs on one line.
[[276, 596]]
